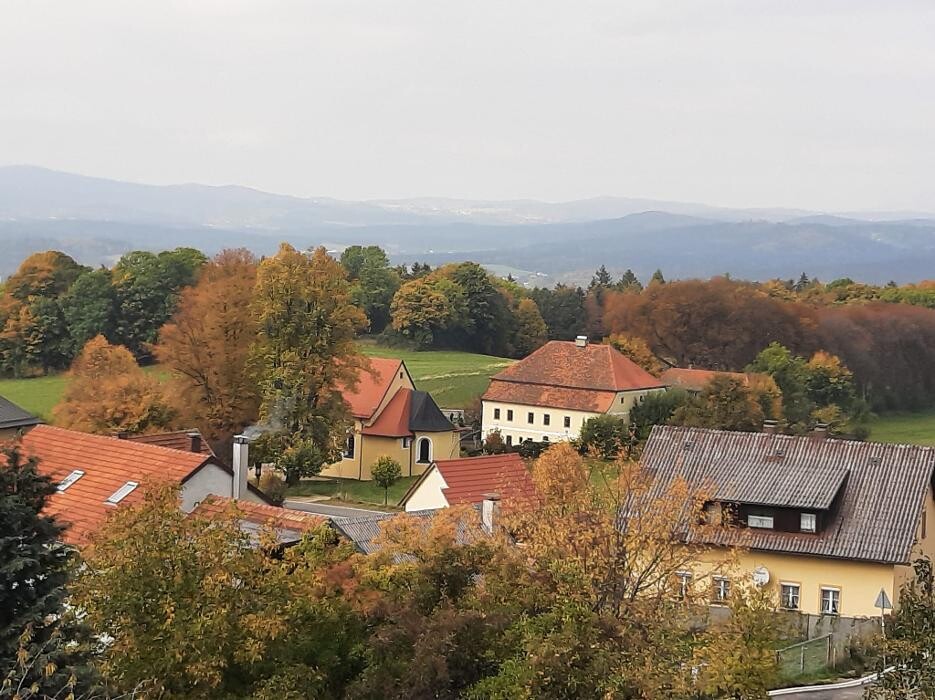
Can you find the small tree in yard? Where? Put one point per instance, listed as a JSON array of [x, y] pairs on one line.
[[493, 443], [386, 472], [606, 435]]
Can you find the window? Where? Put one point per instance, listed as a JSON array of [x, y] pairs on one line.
[[509, 414], [349, 447], [546, 419], [530, 417], [721, 589], [567, 421], [807, 522], [830, 601], [761, 521], [425, 450], [622, 398], [407, 441], [789, 596], [70, 479], [121, 493], [545, 438], [509, 440], [496, 414], [683, 584]]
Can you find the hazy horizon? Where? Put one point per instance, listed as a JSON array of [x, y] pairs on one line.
[[732, 103]]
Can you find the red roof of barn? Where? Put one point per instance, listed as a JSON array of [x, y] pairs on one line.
[[108, 463], [372, 386], [471, 478]]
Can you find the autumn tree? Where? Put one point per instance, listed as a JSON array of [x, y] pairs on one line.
[[637, 350], [206, 346], [726, 403], [425, 308], [48, 274], [303, 353], [386, 472], [529, 332], [109, 393]]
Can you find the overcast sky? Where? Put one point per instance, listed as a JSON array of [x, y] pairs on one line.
[[818, 104]]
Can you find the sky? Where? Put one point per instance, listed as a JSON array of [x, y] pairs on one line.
[[820, 104]]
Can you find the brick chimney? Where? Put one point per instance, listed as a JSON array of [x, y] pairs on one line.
[[820, 432], [194, 441], [770, 427]]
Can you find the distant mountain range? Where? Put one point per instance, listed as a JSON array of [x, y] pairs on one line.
[[97, 220]]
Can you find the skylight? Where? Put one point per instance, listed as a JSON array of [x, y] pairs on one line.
[[70, 479], [121, 493]]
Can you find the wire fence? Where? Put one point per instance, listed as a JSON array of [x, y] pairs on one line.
[[809, 656]]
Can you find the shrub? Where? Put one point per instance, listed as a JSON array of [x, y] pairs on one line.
[[272, 485], [605, 435]]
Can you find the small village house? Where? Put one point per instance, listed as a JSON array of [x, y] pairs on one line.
[[551, 393], [14, 420], [824, 524], [289, 525], [96, 474], [470, 481], [392, 418]]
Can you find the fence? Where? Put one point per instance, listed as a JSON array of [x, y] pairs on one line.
[[806, 657]]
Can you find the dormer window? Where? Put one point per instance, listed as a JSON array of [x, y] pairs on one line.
[[70, 479], [121, 493], [760, 520], [807, 522]]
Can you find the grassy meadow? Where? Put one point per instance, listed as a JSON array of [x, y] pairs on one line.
[[453, 378], [913, 428]]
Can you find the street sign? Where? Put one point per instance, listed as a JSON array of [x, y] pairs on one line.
[[883, 601]]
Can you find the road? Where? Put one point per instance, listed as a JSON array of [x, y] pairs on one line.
[[330, 510], [840, 694]]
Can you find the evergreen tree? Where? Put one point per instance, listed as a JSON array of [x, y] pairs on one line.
[[629, 281], [657, 278], [601, 278]]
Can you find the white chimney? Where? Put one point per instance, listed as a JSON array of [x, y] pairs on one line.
[[241, 464], [581, 341], [489, 511]]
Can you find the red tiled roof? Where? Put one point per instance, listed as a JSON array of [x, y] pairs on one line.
[[176, 440], [595, 367], [697, 379], [372, 386], [551, 396], [471, 478], [393, 420], [260, 514], [108, 463]]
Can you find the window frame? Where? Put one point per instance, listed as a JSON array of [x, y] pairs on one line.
[[683, 584], [509, 414], [424, 440], [814, 518], [763, 519], [69, 480], [407, 443], [783, 585], [567, 422], [720, 590], [117, 496], [531, 418], [546, 419], [834, 599], [350, 446], [496, 414], [509, 440]]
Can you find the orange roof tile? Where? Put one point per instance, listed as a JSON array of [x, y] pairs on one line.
[[594, 367], [175, 440], [550, 396], [471, 478], [108, 463], [372, 386], [697, 379], [393, 420], [260, 514]]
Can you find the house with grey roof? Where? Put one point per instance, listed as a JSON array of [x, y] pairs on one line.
[[825, 524], [14, 419]]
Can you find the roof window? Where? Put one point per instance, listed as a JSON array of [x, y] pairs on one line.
[[70, 479], [121, 493]]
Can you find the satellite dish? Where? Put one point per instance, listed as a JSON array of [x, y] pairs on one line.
[[761, 576]]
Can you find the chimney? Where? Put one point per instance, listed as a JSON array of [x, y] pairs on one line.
[[820, 432], [241, 463], [490, 510], [581, 341], [122, 435], [194, 441], [770, 427]]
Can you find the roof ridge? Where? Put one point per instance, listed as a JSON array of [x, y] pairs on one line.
[[130, 443], [826, 440]]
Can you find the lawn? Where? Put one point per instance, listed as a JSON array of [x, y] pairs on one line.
[[913, 428], [453, 378], [352, 490]]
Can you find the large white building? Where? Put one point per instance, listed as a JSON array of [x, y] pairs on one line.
[[551, 393]]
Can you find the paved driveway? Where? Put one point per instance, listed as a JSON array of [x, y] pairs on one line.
[[330, 510], [842, 694]]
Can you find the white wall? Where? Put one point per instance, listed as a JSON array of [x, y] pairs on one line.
[[211, 480], [429, 494]]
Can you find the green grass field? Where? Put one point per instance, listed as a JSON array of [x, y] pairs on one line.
[[912, 428], [453, 378], [353, 491]]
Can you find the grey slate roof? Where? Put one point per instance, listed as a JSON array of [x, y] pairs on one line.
[[425, 416], [12, 416], [364, 530], [883, 486]]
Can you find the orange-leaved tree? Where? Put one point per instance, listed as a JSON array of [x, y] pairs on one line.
[[206, 345], [109, 393]]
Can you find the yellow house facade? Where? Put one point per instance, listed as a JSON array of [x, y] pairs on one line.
[[823, 524], [392, 418], [549, 395]]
